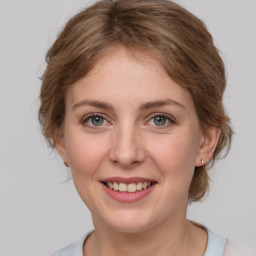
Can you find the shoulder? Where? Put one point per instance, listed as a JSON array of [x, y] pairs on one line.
[[75, 249], [230, 250], [215, 245], [219, 246]]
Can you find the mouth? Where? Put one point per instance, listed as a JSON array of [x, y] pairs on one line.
[[128, 187], [128, 190]]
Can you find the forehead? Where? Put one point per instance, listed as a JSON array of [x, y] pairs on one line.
[[129, 77], [121, 61]]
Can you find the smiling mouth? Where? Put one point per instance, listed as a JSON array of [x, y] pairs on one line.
[[130, 187]]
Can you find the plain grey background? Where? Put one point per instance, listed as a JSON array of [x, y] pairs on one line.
[[40, 214]]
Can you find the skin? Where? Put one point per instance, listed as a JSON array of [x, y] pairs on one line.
[[128, 143]]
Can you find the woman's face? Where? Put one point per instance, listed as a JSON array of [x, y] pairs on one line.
[[132, 139]]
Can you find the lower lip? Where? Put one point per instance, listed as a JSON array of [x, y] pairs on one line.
[[127, 197]]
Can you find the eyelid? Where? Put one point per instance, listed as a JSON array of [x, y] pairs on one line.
[[170, 118], [84, 119]]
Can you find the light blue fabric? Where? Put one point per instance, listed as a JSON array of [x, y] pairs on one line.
[[215, 246], [75, 249]]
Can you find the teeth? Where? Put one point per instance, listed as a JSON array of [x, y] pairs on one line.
[[144, 185], [139, 186], [110, 185], [122, 187], [132, 187], [115, 186]]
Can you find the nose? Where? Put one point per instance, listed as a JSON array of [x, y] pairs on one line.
[[127, 148]]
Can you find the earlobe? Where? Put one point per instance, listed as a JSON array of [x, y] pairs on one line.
[[208, 144], [61, 147]]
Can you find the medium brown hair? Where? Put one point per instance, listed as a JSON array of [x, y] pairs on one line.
[[175, 36]]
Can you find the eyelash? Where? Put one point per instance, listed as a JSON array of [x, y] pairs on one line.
[[170, 119], [85, 119]]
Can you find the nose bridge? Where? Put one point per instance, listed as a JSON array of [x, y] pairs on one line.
[[126, 148]]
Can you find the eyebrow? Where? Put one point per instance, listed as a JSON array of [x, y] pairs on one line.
[[145, 106], [93, 103], [160, 103]]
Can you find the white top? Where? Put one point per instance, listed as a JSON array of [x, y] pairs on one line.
[[215, 247]]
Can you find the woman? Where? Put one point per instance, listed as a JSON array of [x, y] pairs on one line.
[[132, 100]]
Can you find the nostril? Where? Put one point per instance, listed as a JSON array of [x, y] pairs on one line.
[[126, 150], [125, 161]]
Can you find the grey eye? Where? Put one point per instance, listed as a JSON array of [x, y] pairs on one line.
[[97, 120], [159, 120]]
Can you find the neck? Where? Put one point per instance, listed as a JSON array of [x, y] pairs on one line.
[[175, 238]]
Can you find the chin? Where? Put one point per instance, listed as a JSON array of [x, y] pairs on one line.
[[130, 228], [131, 222]]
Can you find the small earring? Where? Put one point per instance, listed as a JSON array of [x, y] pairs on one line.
[[202, 161]]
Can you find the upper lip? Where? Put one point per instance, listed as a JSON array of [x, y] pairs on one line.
[[127, 180]]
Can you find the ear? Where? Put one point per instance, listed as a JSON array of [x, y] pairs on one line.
[[208, 142], [61, 146]]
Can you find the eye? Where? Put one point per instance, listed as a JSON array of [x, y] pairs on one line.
[[94, 120], [161, 120]]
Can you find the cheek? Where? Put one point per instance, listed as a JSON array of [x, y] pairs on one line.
[[175, 160], [85, 154], [175, 156]]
